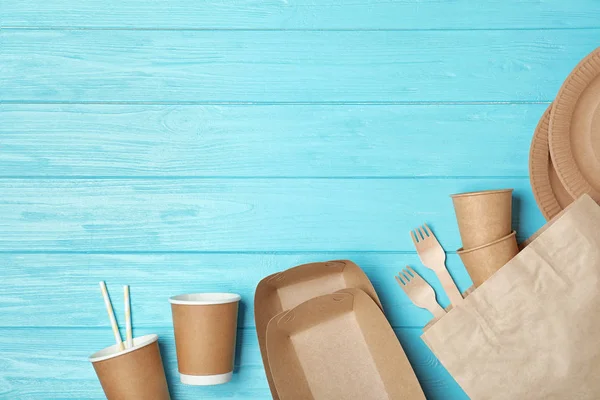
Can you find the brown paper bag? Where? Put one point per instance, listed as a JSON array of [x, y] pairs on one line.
[[532, 331]]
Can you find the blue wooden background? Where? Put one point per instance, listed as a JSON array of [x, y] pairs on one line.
[[186, 145]]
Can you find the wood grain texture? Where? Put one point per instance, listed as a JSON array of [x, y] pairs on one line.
[[155, 277], [288, 66], [268, 141], [238, 214], [242, 138], [297, 14], [26, 353]]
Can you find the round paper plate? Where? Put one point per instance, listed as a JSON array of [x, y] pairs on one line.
[[550, 195], [574, 133]]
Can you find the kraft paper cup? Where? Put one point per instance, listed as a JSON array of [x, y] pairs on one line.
[[134, 373], [483, 217], [205, 334], [483, 261]]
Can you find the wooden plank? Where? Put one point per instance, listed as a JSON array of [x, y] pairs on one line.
[[238, 214], [53, 362], [290, 66], [46, 362], [274, 140], [153, 278], [296, 14]]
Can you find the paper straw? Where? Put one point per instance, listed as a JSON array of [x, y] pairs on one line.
[[111, 315], [129, 333]]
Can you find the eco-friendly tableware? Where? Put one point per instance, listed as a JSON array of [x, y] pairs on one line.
[[432, 256], [285, 290], [419, 292], [483, 261], [483, 216], [574, 126], [338, 346], [550, 194], [111, 316], [134, 373], [531, 330], [128, 328], [205, 327]]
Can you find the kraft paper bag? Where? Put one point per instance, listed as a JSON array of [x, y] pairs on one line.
[[532, 330]]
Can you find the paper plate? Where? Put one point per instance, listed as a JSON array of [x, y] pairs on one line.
[[574, 133], [550, 195]]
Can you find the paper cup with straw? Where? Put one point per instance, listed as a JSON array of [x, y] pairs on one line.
[[135, 372]]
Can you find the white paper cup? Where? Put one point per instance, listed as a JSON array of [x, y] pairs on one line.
[[205, 327], [134, 373]]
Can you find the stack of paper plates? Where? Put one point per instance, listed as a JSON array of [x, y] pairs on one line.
[[564, 160]]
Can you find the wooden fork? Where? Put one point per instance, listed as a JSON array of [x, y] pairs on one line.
[[432, 256], [419, 292]]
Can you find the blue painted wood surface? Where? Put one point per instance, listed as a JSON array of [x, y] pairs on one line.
[[302, 14], [289, 66], [189, 146]]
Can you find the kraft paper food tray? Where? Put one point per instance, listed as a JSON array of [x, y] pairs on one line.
[[339, 346], [531, 331], [285, 290]]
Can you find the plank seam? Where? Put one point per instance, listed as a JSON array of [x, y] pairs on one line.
[[143, 327], [265, 177], [282, 103], [173, 29], [232, 252]]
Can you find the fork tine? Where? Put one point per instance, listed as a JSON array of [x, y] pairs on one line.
[[412, 271], [427, 230], [414, 238], [399, 280], [423, 233], [406, 276], [409, 270]]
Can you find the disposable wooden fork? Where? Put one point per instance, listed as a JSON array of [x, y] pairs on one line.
[[432, 256], [419, 292]]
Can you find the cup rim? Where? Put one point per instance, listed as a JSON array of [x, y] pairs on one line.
[[462, 250], [113, 351], [481, 192], [204, 299]]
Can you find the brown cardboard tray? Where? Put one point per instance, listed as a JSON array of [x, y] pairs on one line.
[[338, 346], [285, 290]]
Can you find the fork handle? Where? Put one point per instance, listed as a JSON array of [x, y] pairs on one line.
[[449, 285], [437, 311]]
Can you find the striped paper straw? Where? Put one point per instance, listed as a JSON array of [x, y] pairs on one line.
[[111, 315], [129, 333]]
